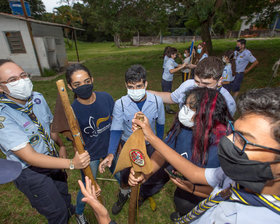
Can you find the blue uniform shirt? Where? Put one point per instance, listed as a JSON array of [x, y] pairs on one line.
[[178, 96], [227, 73], [232, 212], [95, 123], [17, 129], [165, 60], [125, 109], [242, 59], [170, 64], [203, 56], [184, 146]]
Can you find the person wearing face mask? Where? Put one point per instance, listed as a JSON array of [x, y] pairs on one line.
[[93, 111], [246, 186], [170, 67], [187, 60], [208, 73], [242, 58], [201, 53], [195, 134], [137, 99], [229, 70], [26, 137]]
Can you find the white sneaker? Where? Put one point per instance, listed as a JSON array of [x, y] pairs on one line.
[[81, 219]]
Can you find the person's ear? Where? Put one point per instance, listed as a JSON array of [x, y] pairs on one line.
[[146, 84], [220, 81], [125, 84], [69, 86], [92, 79]]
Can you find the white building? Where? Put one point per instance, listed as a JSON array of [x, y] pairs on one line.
[[16, 44]]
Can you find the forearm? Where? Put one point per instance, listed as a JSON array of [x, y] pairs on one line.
[[166, 96], [157, 162], [252, 66], [176, 69], [202, 190], [192, 172]]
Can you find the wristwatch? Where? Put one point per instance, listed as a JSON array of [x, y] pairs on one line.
[[71, 167]]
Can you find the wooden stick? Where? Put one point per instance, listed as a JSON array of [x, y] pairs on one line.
[[133, 201], [74, 128]]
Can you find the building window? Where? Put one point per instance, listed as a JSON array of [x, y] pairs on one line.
[[15, 42]]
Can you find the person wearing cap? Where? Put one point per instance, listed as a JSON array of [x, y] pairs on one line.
[[246, 187], [242, 58], [25, 137]]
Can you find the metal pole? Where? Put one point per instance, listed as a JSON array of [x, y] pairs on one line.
[[75, 38], [31, 36]]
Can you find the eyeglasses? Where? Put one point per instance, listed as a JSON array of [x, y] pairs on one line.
[[14, 79], [241, 142]]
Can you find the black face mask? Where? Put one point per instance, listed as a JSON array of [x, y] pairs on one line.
[[237, 48], [250, 174], [84, 91]]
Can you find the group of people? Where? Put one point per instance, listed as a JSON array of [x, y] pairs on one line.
[[226, 171]]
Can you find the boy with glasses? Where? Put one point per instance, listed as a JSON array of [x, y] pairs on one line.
[[137, 99]]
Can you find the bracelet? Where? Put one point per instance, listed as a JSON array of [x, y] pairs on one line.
[[193, 189]]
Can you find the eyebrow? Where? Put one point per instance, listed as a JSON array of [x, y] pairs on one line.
[[246, 134]]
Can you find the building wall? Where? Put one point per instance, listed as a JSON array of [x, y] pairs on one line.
[[26, 60]]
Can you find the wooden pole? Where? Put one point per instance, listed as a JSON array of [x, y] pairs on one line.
[[74, 128], [31, 37]]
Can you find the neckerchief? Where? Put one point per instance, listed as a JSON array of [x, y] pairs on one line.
[[232, 194], [29, 111]]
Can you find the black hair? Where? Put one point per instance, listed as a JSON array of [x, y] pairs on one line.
[[4, 61], [73, 68], [135, 73], [210, 67], [264, 102], [230, 55], [242, 41], [166, 50], [210, 122], [172, 50]]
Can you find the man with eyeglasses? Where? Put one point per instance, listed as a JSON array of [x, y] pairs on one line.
[[137, 99], [25, 137], [208, 73], [247, 185]]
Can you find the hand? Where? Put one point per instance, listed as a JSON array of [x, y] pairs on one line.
[[90, 197], [107, 162], [81, 161], [183, 184], [191, 66], [62, 152], [246, 71], [132, 181], [148, 132]]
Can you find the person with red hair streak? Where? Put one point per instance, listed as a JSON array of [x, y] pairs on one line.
[[195, 134]]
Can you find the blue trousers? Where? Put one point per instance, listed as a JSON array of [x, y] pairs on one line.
[[80, 206], [47, 192]]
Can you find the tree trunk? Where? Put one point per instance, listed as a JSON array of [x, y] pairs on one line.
[[117, 40], [206, 36]]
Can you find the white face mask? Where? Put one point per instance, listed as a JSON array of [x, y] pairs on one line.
[[20, 89], [224, 60], [185, 116], [185, 55], [136, 94]]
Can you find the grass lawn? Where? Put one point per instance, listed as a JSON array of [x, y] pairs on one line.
[[108, 65]]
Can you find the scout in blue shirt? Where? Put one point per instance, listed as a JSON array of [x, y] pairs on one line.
[[207, 74], [169, 69], [246, 186], [229, 70], [25, 137], [242, 58], [137, 99]]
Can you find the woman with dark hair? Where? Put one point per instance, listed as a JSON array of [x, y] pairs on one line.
[[229, 70], [94, 114], [202, 52], [195, 134]]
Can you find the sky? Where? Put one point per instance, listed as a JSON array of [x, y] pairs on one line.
[[50, 4]]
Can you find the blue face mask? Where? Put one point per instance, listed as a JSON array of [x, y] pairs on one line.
[[84, 91], [199, 51]]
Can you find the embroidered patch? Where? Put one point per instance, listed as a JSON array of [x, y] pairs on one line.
[[2, 118], [137, 157], [37, 101], [1, 125], [26, 124], [34, 140]]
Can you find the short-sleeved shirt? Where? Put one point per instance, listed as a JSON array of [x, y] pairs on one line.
[[178, 96], [17, 129], [203, 56], [232, 212], [170, 64], [125, 109], [186, 60], [95, 123], [227, 73], [242, 59], [183, 145], [165, 60]]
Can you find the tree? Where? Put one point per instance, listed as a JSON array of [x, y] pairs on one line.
[[5, 7]]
